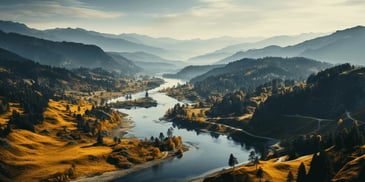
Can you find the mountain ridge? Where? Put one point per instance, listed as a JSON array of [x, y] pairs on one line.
[[79, 35], [60, 54], [338, 47]]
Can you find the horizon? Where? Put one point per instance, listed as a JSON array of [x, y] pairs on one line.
[[190, 19], [255, 38]]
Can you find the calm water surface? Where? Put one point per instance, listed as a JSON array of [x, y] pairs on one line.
[[206, 153]]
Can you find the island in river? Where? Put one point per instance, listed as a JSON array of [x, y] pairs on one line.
[[145, 102]]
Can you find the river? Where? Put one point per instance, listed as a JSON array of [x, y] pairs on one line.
[[207, 152]]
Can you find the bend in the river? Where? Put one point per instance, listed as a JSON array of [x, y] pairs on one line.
[[207, 152]]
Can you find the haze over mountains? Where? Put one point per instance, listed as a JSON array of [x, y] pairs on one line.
[[166, 47], [150, 63], [60, 54], [339, 47], [68, 75], [132, 53], [79, 35], [283, 40]]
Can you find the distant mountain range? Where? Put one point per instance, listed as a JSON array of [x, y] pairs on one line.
[[61, 54], [340, 47], [231, 49], [150, 63], [17, 68], [184, 49], [81, 36], [165, 47], [190, 72]]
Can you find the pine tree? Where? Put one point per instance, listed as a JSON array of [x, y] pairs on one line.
[[302, 173], [146, 95], [260, 173], [320, 168], [290, 177], [232, 160], [100, 139]]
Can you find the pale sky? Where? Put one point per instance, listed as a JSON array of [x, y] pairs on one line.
[[186, 19]]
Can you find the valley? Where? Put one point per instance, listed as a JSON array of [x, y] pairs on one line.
[[81, 105]]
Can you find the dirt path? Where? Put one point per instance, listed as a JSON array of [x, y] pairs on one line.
[[243, 131]]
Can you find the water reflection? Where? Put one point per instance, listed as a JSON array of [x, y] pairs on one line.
[[208, 150]]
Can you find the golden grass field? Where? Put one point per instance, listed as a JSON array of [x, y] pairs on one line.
[[36, 156], [275, 170]]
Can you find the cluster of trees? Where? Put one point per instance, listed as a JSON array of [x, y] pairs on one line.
[[179, 110], [33, 100], [320, 170], [231, 104], [325, 164], [165, 143], [4, 105], [94, 127], [184, 91], [315, 99], [241, 102], [87, 126], [328, 73], [303, 145], [248, 74]]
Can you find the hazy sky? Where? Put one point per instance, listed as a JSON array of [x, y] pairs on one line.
[[186, 19]]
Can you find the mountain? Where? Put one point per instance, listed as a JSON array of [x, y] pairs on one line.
[[328, 94], [127, 64], [247, 74], [209, 58], [283, 40], [166, 47], [190, 72], [104, 41], [18, 68], [151, 63], [339, 47], [183, 49], [60, 54]]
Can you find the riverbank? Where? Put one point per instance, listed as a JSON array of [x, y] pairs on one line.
[[116, 174], [112, 175]]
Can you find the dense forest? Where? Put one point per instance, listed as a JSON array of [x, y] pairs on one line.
[[329, 94], [248, 74]]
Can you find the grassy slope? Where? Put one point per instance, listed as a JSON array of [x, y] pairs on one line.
[[37, 156], [4, 118], [273, 170]]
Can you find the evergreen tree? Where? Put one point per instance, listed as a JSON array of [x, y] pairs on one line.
[[260, 173], [302, 173], [252, 156], [162, 137], [100, 139], [320, 168], [256, 161], [290, 177], [146, 95], [232, 160]]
